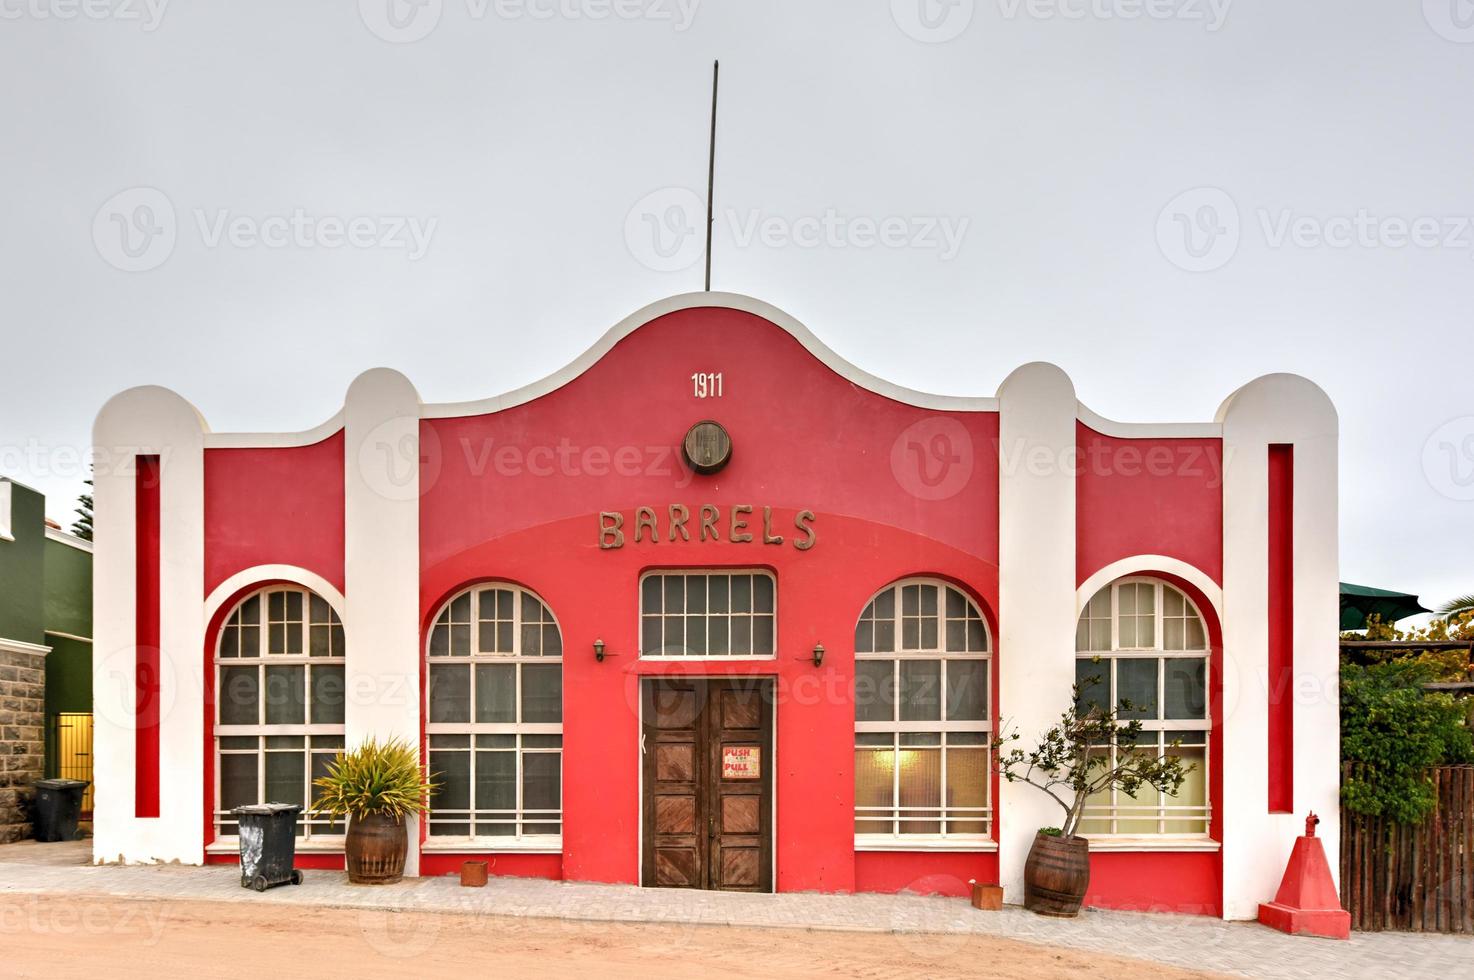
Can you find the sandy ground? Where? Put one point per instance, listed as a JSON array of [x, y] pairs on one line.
[[90, 937]]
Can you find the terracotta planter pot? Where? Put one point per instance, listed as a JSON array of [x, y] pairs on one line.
[[375, 849], [988, 898], [1056, 875], [473, 874]]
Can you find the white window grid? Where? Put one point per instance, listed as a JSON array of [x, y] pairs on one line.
[[1157, 732], [1124, 810], [944, 815], [245, 641], [479, 611], [529, 825], [707, 619]]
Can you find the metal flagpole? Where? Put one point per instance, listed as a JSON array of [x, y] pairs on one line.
[[711, 169]]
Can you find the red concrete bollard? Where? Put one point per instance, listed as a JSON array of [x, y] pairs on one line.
[[1307, 903]]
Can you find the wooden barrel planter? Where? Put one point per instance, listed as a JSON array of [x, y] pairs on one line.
[[1056, 875], [375, 848]]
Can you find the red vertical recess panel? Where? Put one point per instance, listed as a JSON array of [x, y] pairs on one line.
[[146, 639], [1281, 628]]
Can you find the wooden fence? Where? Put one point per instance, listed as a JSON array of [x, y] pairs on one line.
[[1413, 877]]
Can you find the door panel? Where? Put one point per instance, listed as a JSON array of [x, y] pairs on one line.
[[675, 818], [708, 754], [740, 773]]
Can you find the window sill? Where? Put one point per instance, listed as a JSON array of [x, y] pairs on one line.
[[328, 845], [982, 845], [493, 845], [1107, 844]]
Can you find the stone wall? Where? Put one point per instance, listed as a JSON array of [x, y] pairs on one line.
[[22, 739]]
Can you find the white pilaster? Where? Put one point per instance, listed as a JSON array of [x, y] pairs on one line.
[[1036, 589], [1277, 408], [381, 510], [148, 421]]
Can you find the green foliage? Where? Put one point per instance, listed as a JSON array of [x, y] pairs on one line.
[[375, 778], [1051, 832], [1392, 730], [82, 526], [1455, 607], [1446, 665], [1071, 763]]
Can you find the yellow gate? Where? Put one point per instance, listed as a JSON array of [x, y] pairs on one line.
[[73, 734]]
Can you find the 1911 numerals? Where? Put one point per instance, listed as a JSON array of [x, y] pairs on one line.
[[706, 384]]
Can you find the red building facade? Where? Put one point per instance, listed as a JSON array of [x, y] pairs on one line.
[[779, 675]]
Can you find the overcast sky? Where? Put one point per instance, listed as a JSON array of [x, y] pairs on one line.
[[251, 203]]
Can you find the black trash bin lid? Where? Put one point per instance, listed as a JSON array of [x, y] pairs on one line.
[[60, 784], [266, 809]]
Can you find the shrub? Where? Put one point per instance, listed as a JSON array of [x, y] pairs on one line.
[[1393, 731]]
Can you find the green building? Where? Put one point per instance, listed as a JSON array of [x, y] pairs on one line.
[[45, 654]]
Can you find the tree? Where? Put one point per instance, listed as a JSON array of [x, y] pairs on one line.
[[1072, 762], [1393, 731], [82, 526], [1447, 665], [1456, 607]]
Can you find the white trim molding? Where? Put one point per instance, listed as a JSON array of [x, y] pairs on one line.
[[1163, 844], [68, 539], [21, 646], [275, 440], [953, 845], [1147, 430], [1145, 565], [263, 574], [319, 845], [728, 301], [489, 845], [5, 511]]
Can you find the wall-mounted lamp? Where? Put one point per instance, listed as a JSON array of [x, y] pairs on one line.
[[599, 650], [818, 655]]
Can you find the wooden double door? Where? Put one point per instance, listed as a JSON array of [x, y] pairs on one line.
[[707, 760]]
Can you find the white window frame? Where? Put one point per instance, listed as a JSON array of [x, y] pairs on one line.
[[532, 843], [703, 657], [896, 839], [1117, 811], [312, 830]]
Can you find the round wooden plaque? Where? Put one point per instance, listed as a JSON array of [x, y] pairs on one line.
[[707, 447]]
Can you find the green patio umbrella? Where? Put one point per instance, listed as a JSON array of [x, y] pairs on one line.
[[1360, 601]]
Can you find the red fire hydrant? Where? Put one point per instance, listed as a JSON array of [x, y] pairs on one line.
[[1307, 903]]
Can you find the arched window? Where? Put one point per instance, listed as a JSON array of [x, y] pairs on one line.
[[495, 710], [278, 703], [922, 725], [1143, 641]]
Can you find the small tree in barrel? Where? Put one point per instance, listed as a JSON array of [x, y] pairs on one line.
[[1072, 761]]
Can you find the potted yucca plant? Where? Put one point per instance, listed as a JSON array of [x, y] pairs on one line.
[[375, 786]]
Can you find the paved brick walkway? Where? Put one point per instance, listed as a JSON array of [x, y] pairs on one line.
[[936, 923]]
